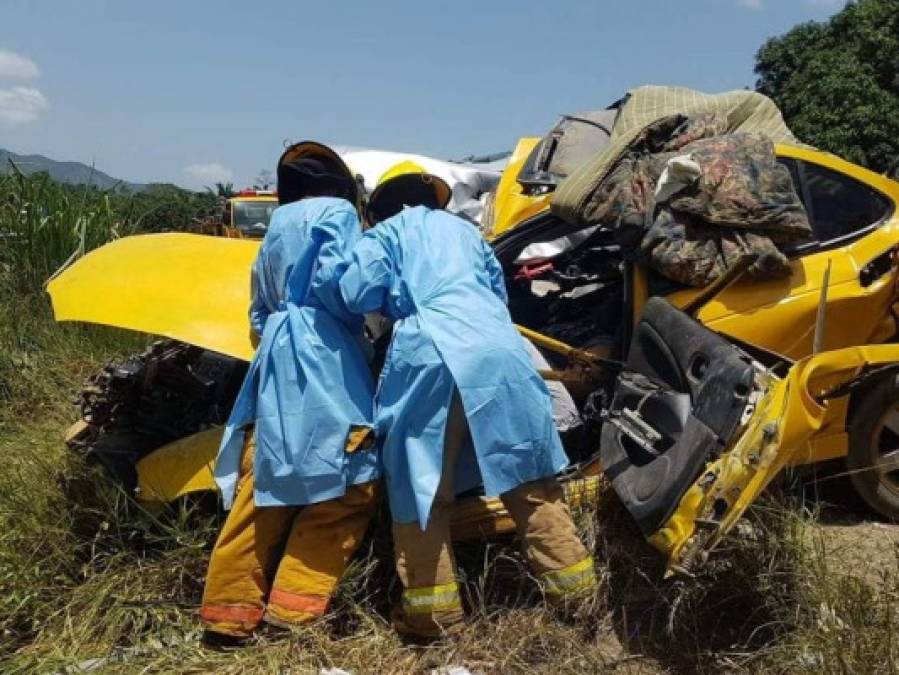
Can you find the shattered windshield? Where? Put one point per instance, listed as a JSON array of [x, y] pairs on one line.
[[253, 217], [569, 145]]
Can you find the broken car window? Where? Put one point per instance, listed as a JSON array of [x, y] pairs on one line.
[[840, 205]]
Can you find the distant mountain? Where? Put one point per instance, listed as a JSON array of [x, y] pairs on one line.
[[75, 173]]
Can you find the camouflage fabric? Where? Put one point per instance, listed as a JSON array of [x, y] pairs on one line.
[[742, 186], [694, 254], [734, 111], [675, 132], [743, 202]]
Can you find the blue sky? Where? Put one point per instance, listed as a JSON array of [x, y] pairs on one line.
[[191, 92]]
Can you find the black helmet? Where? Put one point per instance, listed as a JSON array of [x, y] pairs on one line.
[[310, 169]]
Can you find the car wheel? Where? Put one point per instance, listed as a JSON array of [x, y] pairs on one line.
[[873, 459]]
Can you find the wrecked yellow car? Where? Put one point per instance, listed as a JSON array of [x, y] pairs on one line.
[[694, 428], [692, 400], [841, 286]]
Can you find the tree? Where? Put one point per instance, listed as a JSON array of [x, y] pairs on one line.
[[264, 180], [223, 190], [837, 82]]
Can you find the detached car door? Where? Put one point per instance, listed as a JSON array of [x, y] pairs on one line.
[[696, 429]]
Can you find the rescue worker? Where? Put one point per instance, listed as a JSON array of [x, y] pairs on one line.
[[459, 403], [406, 184], [295, 467]]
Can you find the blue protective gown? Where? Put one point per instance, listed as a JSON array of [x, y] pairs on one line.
[[436, 276], [309, 381]]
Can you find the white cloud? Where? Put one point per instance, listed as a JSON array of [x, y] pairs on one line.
[[21, 104], [13, 65], [755, 5], [201, 175]]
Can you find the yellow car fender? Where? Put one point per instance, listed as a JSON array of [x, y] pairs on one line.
[[179, 468]]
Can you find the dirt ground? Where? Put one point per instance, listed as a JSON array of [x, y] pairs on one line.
[[858, 546], [851, 542]]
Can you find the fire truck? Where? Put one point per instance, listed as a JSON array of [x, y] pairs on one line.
[[246, 215]]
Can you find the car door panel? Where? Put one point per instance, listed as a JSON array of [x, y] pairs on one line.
[[675, 406]]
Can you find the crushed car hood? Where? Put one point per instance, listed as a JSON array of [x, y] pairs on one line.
[[187, 287]]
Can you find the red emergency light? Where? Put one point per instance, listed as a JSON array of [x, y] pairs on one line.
[[256, 193]]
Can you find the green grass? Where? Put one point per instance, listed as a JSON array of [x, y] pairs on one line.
[[85, 574], [43, 224], [87, 577]]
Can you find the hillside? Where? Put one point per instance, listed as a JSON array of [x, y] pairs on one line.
[[75, 173]]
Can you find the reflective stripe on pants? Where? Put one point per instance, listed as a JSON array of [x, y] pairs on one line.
[[432, 599], [570, 581]]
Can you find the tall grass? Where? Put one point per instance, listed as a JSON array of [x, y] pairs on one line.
[[43, 224], [46, 543]]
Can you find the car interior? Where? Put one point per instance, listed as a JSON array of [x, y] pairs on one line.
[[678, 396]]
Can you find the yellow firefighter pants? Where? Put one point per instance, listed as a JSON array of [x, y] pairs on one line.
[[281, 564], [426, 565]]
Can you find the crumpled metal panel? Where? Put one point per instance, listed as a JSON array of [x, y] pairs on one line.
[[784, 421]]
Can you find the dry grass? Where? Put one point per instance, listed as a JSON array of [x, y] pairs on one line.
[[90, 581], [88, 578]]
